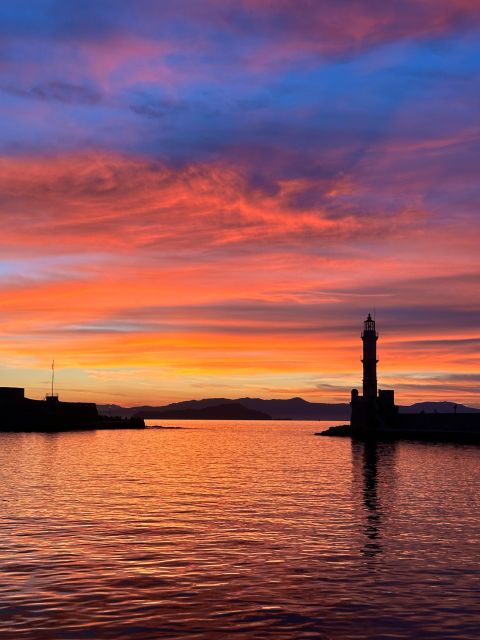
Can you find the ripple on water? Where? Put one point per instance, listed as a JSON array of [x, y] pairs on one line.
[[237, 530]]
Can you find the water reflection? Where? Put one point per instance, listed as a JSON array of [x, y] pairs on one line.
[[224, 530], [373, 489]]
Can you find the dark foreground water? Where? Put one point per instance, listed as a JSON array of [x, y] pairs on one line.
[[224, 530]]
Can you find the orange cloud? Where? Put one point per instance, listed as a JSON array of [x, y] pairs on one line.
[[196, 274]]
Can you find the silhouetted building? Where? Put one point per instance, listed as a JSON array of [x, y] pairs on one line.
[[18, 413], [369, 360], [375, 414], [374, 409], [12, 394]]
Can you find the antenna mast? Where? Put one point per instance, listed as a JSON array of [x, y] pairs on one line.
[[53, 374]]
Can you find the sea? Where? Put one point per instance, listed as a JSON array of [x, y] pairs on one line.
[[241, 530]]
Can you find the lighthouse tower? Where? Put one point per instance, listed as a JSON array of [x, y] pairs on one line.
[[369, 360], [374, 409]]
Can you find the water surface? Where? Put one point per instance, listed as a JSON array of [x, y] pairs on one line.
[[237, 530]]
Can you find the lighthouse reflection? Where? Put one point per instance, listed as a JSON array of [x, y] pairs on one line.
[[374, 489]]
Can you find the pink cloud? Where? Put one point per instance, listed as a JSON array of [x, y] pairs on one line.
[[107, 202]]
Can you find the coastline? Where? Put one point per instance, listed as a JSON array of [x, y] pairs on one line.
[[346, 431]]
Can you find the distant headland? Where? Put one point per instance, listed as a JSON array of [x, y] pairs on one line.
[[227, 411]]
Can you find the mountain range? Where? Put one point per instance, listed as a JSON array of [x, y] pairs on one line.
[[291, 409]]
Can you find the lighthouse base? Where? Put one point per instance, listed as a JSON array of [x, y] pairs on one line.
[[371, 415]]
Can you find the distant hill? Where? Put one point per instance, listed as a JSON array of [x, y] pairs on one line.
[[229, 411], [439, 407], [291, 409]]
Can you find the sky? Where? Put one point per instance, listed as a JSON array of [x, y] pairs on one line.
[[204, 198]]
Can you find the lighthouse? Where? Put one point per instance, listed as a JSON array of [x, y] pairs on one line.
[[369, 360], [375, 415], [373, 409]]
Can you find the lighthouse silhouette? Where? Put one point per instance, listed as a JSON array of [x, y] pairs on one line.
[[369, 360], [374, 409]]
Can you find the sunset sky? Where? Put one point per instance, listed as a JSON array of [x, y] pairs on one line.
[[206, 197]]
